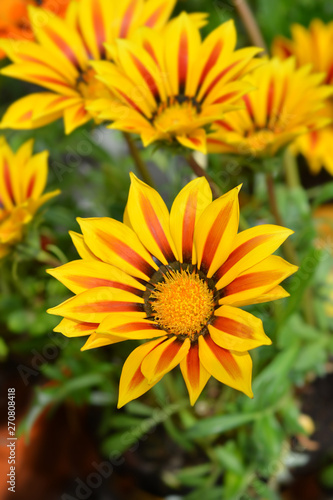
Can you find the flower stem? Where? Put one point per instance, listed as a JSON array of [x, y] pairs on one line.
[[250, 24], [138, 161], [200, 172], [287, 245], [291, 169]]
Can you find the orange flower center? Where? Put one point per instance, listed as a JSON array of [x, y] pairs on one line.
[[91, 88], [183, 303]]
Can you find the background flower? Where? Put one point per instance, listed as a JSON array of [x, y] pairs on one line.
[[14, 18], [284, 105], [171, 87], [60, 58], [22, 181], [312, 46]]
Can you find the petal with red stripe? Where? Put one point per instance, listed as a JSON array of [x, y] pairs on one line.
[[125, 327], [230, 368], [182, 43], [257, 280], [80, 275], [150, 218], [75, 116], [237, 330], [276, 293], [81, 247], [117, 244], [250, 247], [95, 304], [195, 374], [132, 382], [71, 328], [186, 209], [215, 232], [164, 358]]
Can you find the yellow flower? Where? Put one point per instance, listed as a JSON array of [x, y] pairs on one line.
[[312, 46], [178, 280], [22, 182], [60, 59], [309, 46], [172, 85], [284, 105], [317, 146]]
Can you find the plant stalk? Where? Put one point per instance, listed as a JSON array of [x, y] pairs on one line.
[[138, 161]]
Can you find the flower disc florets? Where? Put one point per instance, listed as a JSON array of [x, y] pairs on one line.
[[182, 303]]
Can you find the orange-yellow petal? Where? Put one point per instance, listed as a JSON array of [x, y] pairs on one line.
[[237, 330], [230, 368], [215, 232], [185, 211], [164, 358], [81, 275], [116, 244], [195, 374], [150, 219], [132, 382]]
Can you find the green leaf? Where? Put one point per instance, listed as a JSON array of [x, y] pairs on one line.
[[219, 424], [229, 457], [194, 476]]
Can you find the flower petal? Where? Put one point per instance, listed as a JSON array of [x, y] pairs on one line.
[[195, 374], [186, 209], [20, 115], [230, 368], [116, 244], [132, 382], [164, 358], [75, 116], [183, 42], [257, 280], [99, 340], [71, 328], [215, 232], [81, 247], [149, 217], [95, 304], [250, 247], [125, 327], [80, 275], [237, 330], [195, 140], [276, 293]]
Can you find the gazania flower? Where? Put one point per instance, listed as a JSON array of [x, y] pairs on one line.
[[172, 86], [176, 280], [60, 59], [284, 105], [22, 182], [317, 146], [312, 46], [14, 19], [309, 46]]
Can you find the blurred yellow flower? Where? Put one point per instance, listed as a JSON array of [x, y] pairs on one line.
[[312, 46], [22, 181], [172, 85], [285, 104], [60, 58], [175, 279], [309, 46]]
